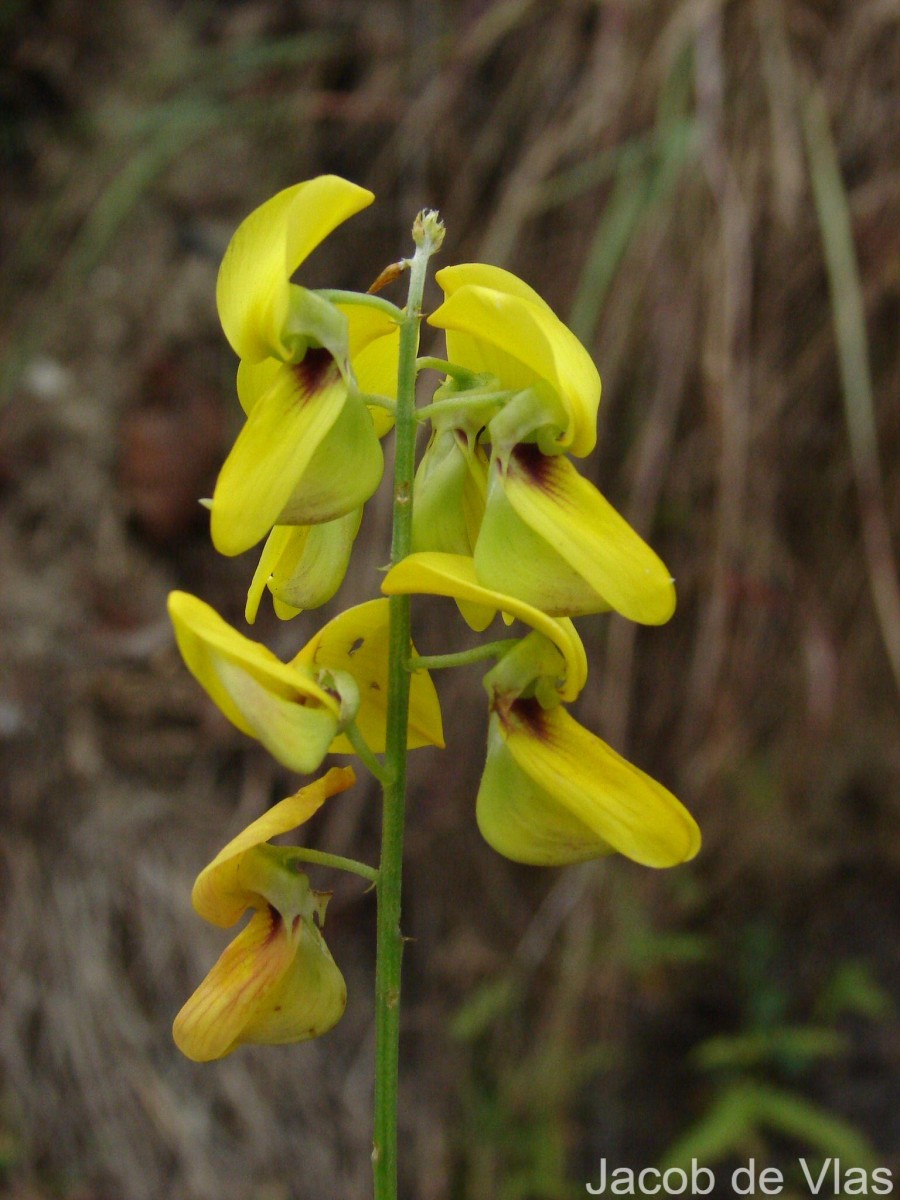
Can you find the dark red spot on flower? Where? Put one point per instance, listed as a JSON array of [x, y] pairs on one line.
[[317, 371], [357, 645]]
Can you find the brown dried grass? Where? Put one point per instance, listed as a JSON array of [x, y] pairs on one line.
[[645, 166]]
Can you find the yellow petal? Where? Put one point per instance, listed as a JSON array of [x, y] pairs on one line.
[[569, 515], [523, 343], [342, 474], [211, 1023], [220, 895], [454, 575], [357, 641], [266, 249], [280, 705], [308, 1000], [273, 450], [451, 279], [617, 805], [303, 565], [273, 984]]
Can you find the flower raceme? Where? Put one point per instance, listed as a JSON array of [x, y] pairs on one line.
[[276, 982], [309, 449], [299, 710], [552, 792]]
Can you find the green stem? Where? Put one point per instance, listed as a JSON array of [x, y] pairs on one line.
[[366, 754], [428, 234], [462, 658], [337, 296], [336, 861], [461, 403]]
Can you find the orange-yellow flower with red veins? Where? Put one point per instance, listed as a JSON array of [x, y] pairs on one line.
[[276, 982]]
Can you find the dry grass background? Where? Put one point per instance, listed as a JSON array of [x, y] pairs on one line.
[[708, 192]]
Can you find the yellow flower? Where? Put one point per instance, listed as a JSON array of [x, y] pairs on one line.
[[276, 982], [552, 792], [298, 710], [500, 327], [309, 450]]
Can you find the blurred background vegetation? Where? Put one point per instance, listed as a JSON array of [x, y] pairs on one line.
[[708, 192]]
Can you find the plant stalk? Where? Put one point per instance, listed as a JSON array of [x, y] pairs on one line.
[[428, 234]]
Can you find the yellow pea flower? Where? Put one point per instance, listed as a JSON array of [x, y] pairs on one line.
[[498, 326], [276, 982], [298, 709], [551, 538], [553, 793], [309, 450]]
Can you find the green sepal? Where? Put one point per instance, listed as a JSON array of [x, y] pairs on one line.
[[533, 667], [449, 493], [532, 415], [314, 321]]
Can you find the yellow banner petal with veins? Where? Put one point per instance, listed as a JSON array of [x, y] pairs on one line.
[[357, 641], [266, 249], [453, 575]]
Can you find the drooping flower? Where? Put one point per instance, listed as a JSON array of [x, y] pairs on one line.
[[299, 709], [542, 532], [276, 982], [309, 450], [552, 792]]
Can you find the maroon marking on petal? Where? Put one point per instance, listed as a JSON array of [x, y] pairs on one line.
[[532, 718], [317, 371], [295, 924], [357, 645], [276, 923], [540, 470]]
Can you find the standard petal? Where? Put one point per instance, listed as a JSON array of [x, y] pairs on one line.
[[282, 432], [451, 279], [281, 706], [357, 641], [523, 343], [454, 575], [220, 894], [266, 249], [212, 1022], [619, 805], [569, 517]]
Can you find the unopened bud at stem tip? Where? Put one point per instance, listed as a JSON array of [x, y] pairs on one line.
[[428, 229]]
